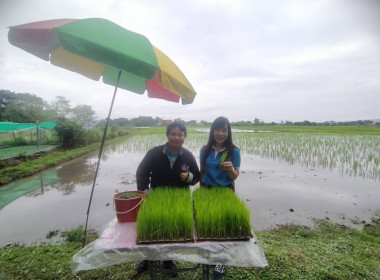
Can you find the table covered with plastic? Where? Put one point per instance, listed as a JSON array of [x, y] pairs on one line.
[[117, 244]]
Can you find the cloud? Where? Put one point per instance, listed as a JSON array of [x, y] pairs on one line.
[[276, 60]]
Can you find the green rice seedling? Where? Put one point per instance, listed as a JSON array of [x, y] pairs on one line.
[[127, 195], [224, 156], [220, 214], [355, 155], [166, 215]]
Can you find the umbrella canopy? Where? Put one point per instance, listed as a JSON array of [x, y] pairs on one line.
[[97, 47]]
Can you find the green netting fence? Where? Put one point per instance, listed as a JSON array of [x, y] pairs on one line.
[[25, 138], [11, 126], [10, 152]]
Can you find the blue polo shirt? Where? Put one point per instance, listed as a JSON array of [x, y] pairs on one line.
[[213, 175], [171, 157]]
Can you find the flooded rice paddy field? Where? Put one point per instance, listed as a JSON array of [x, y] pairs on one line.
[[284, 178]]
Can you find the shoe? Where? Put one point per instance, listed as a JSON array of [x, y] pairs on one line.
[[218, 272], [143, 266], [170, 265]]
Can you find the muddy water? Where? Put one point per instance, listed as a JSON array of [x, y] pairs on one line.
[[276, 192]]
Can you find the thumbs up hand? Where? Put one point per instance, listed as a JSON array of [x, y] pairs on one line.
[[185, 174]]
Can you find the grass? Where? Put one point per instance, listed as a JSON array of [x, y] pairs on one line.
[[30, 167], [10, 171], [328, 251], [165, 215]]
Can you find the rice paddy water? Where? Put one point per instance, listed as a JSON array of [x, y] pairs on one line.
[[353, 155], [314, 175]]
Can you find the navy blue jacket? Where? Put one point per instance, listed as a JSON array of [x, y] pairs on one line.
[[154, 170]]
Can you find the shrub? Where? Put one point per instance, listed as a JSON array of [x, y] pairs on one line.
[[70, 132]]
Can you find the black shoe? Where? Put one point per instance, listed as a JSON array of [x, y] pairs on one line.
[[143, 266], [219, 272], [170, 265]]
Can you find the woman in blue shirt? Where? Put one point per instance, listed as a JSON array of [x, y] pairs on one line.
[[220, 163], [220, 158]]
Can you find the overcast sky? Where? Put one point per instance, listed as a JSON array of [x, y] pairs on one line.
[[272, 60]]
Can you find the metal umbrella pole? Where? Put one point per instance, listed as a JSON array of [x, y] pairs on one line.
[[99, 157]]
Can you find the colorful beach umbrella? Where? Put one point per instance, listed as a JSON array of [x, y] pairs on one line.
[[97, 48]]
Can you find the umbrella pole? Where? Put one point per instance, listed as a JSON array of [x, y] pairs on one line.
[[100, 155]]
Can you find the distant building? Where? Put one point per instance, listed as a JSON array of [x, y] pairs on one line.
[[164, 122]]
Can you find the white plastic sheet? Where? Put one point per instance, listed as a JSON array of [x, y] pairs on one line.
[[117, 244]]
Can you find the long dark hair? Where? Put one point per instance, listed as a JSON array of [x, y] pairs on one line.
[[219, 123]]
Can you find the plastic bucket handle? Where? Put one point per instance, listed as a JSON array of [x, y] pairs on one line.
[[142, 198]]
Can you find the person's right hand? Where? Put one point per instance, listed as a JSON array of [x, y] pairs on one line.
[[185, 174]]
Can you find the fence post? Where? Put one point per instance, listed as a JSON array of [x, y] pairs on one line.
[[38, 135]]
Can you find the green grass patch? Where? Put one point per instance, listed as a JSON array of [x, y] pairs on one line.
[[220, 214], [151, 130], [31, 167], [165, 215]]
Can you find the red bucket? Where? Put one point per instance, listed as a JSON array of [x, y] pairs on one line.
[[127, 208]]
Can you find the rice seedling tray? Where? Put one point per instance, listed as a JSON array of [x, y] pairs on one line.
[[147, 242], [237, 238], [220, 215], [166, 216], [172, 215]]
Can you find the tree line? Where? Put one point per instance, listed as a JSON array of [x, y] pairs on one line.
[[28, 108], [75, 126]]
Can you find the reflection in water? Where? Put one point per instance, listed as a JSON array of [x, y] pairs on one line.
[[69, 176], [36, 183], [80, 172]]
